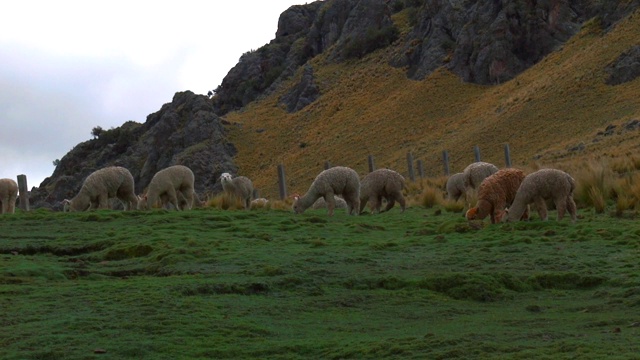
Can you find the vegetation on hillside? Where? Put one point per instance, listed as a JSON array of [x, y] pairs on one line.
[[553, 114]]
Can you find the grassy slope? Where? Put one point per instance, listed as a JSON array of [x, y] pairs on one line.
[[368, 107], [267, 284]]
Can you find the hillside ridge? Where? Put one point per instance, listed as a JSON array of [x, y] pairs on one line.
[[550, 114], [345, 79]]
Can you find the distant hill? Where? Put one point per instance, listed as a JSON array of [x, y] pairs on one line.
[[344, 79]]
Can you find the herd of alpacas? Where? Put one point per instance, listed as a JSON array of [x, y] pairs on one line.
[[502, 194]]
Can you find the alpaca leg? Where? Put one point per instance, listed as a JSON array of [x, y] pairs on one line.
[[353, 203], [571, 207], [372, 204], [378, 204], [561, 207], [12, 204], [363, 203], [127, 202], [541, 205], [94, 204], [330, 200], [391, 201], [103, 201], [188, 195], [401, 201], [173, 198], [497, 209], [525, 214], [4, 204]]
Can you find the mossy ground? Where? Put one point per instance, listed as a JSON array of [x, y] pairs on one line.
[[269, 284]]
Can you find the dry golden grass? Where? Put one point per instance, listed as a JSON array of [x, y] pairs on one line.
[[225, 201], [431, 197], [280, 205], [453, 206], [597, 199], [628, 190], [594, 184], [369, 108], [623, 203]]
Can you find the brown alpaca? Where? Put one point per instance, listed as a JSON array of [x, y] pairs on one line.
[[495, 193]]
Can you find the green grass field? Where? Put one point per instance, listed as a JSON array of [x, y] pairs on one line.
[[211, 284]]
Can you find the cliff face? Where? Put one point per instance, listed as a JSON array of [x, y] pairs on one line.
[[483, 42], [185, 131]]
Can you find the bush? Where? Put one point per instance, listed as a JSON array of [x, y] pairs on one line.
[[373, 40]]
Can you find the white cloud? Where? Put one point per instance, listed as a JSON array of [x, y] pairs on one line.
[[68, 66]]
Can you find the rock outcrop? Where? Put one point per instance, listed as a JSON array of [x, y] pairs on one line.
[[185, 131], [484, 42]]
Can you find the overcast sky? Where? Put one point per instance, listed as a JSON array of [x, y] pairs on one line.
[[69, 66]]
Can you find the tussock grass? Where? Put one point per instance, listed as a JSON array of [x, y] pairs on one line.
[[431, 197], [225, 201], [594, 185]]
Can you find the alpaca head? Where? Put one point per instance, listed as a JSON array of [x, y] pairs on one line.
[[66, 204], [225, 179], [297, 209], [505, 215], [472, 213]]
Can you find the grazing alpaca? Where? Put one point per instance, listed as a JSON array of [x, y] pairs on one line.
[[542, 185], [337, 180]]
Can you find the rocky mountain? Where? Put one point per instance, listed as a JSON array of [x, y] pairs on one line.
[[480, 42], [185, 131], [483, 42]]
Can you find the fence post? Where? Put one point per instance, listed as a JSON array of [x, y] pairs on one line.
[[372, 165], [445, 160], [327, 165], [412, 176], [476, 152], [282, 182], [24, 192], [507, 155], [420, 169]]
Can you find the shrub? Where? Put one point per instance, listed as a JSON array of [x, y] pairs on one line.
[[397, 6], [373, 40]]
